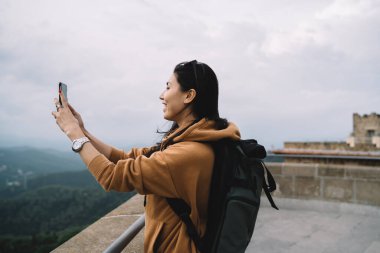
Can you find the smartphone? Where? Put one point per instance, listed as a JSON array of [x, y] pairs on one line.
[[62, 88]]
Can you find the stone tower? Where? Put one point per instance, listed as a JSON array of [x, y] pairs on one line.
[[366, 130]]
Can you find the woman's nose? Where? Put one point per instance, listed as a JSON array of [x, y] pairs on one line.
[[162, 95]]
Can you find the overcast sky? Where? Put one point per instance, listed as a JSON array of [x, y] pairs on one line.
[[288, 70]]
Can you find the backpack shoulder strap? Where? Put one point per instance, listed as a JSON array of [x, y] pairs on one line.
[[270, 187], [252, 149], [182, 210]]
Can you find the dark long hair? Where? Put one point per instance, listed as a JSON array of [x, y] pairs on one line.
[[200, 77]]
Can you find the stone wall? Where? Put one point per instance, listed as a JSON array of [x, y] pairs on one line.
[[351, 184], [317, 145]]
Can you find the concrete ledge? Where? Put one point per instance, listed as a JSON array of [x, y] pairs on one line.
[[98, 236]]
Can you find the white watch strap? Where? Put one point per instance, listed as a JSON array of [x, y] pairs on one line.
[[78, 143], [82, 140]]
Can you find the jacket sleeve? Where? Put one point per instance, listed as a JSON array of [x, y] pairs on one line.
[[144, 174], [118, 154], [151, 175]]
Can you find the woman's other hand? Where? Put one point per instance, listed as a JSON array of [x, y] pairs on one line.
[[66, 120], [77, 116]]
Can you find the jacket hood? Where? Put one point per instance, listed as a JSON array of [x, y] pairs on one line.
[[205, 130]]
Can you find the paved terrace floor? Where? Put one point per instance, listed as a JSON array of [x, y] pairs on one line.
[[310, 226]]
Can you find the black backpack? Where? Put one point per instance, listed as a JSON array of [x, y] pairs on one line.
[[239, 176]]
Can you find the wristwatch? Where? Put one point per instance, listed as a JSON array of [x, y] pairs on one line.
[[78, 143]]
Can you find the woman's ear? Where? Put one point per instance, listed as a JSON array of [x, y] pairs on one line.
[[190, 95]]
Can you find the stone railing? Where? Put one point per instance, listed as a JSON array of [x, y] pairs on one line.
[[351, 184]]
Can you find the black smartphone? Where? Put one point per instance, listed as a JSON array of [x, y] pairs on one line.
[[62, 88]]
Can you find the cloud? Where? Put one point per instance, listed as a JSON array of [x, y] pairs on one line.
[[287, 70]]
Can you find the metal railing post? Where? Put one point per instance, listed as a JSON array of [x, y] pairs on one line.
[[125, 238]]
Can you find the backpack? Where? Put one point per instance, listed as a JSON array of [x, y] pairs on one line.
[[238, 178]]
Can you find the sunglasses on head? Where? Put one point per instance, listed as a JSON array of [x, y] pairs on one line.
[[194, 64]]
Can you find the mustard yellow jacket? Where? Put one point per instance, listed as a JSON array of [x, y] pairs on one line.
[[183, 170]]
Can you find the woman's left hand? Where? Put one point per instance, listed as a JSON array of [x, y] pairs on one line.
[[65, 118]]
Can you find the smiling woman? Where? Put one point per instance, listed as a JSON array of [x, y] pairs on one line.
[[180, 166], [177, 102]]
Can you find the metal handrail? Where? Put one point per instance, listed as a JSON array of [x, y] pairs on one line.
[[125, 238]]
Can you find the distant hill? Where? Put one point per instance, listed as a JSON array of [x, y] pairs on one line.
[[40, 160], [78, 179], [20, 164], [72, 179]]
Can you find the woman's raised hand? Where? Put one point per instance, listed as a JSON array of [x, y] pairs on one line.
[[65, 118]]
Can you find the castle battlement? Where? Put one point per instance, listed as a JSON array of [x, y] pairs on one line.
[[366, 130]]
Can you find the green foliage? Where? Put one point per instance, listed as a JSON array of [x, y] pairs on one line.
[[69, 179], [40, 243], [53, 208]]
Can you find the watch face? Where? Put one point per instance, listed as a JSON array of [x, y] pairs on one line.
[[76, 145]]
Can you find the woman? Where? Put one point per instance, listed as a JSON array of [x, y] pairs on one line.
[[178, 167]]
